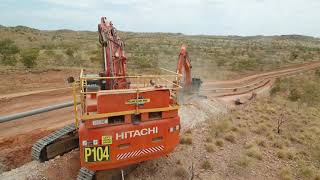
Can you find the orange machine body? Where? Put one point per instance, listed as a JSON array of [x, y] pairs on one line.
[[127, 126]]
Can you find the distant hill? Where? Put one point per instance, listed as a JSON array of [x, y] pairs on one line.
[[152, 50]]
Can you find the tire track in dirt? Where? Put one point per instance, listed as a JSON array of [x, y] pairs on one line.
[[254, 83]]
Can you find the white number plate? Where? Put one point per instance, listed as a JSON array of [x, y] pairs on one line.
[[99, 122]]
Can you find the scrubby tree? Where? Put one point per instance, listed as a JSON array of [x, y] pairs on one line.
[[293, 55], [8, 49], [282, 119], [294, 95], [29, 57], [70, 52]]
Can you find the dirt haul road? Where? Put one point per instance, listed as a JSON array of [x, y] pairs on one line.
[[17, 137]]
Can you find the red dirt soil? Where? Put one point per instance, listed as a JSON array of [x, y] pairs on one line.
[[17, 137], [22, 81], [15, 150]]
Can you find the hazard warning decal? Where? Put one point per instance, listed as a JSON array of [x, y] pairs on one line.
[[139, 152], [106, 140]]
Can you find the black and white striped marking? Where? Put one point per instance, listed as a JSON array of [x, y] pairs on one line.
[[139, 152]]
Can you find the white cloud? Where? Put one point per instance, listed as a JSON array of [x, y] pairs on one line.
[[245, 17], [77, 3]]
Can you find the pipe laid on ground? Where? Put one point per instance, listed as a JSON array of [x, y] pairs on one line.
[[35, 111]]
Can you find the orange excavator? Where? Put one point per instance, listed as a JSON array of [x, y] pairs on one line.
[[123, 120], [189, 84]]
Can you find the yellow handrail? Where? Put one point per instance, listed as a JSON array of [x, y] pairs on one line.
[[139, 86], [75, 103]]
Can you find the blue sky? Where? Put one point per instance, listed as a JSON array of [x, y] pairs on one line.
[[213, 17]]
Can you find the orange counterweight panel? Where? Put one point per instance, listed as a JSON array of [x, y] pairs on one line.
[[110, 102], [121, 145], [91, 105]]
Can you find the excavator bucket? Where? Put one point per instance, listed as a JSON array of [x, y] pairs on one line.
[[195, 85]]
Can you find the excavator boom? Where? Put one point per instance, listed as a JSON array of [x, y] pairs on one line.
[[113, 55]]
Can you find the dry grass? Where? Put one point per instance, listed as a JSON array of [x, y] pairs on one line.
[[208, 140], [206, 165], [186, 140], [278, 144], [188, 131], [253, 130], [261, 129], [221, 126], [281, 154], [181, 172], [243, 161], [209, 148], [235, 129], [285, 154], [248, 145], [219, 142], [317, 176], [230, 137], [285, 174], [305, 171], [254, 152], [261, 142]]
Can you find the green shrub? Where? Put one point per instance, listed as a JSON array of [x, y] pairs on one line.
[[70, 52], [29, 57], [7, 50], [249, 64], [294, 95], [9, 60], [276, 87]]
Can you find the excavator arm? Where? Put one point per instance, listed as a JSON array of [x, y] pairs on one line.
[[184, 67], [113, 55]]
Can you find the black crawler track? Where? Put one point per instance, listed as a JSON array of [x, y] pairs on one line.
[[41, 148], [85, 174]]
